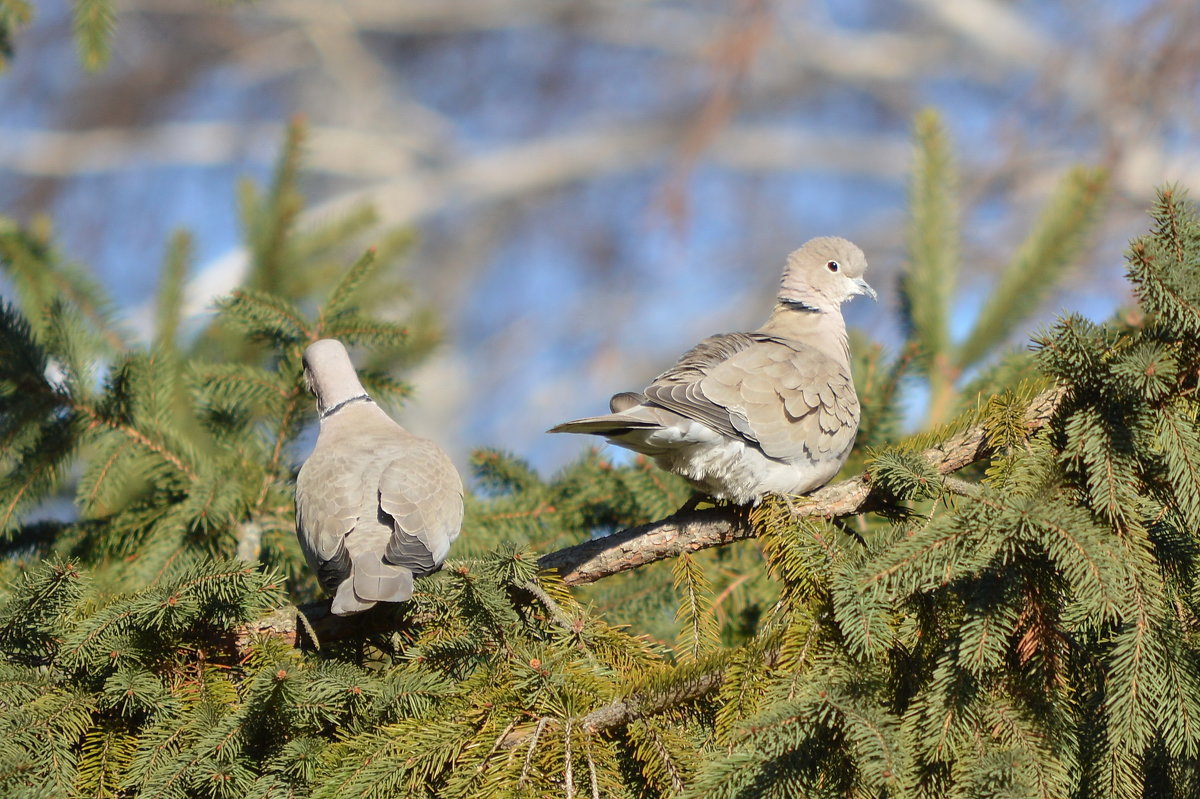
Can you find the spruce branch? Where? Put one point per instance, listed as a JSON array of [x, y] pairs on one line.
[[931, 272], [964, 488], [598, 558], [169, 302], [39, 277], [294, 399], [94, 21], [623, 711], [560, 617], [1051, 248], [98, 419]]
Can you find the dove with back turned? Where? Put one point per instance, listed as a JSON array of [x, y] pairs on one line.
[[376, 505], [741, 415]]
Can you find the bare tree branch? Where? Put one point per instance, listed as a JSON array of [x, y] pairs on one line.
[[56, 153], [514, 172], [620, 712], [995, 28]]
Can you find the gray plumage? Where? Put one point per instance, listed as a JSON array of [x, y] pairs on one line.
[[745, 414], [375, 504]]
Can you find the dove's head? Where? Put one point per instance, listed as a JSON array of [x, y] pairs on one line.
[[823, 274], [329, 374]]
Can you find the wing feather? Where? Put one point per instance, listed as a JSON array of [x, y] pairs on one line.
[[421, 493], [787, 398], [329, 500]]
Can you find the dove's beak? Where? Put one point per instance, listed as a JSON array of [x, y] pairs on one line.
[[863, 288]]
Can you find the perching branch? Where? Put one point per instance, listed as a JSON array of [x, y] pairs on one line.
[[621, 712]]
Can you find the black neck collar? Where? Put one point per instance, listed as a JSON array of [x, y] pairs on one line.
[[799, 305], [325, 414]]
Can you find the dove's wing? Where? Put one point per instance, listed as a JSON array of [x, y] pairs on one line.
[[789, 399], [423, 496], [330, 495]]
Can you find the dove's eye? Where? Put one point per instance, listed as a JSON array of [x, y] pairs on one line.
[[833, 266]]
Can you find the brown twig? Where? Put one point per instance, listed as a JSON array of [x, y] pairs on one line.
[[621, 712]]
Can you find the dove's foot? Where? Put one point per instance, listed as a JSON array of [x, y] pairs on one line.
[[693, 501], [848, 530]]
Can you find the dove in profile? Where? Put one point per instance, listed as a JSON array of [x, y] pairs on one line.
[[741, 415], [376, 505]]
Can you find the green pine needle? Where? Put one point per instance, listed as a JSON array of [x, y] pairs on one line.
[[927, 284], [1052, 247], [94, 21]]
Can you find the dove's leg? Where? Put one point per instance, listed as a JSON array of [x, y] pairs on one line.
[[695, 499], [848, 530]]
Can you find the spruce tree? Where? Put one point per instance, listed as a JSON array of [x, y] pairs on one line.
[[1002, 604]]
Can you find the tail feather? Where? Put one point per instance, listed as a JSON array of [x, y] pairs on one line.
[[346, 603], [376, 581], [613, 425], [625, 400]]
